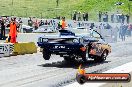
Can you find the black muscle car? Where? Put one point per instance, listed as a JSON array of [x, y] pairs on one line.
[[72, 47]]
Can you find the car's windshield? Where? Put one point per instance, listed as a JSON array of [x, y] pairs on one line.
[[64, 40], [88, 33], [95, 34]]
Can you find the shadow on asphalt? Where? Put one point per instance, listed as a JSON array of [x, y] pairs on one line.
[[74, 64]]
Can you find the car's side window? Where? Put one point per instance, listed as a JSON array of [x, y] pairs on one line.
[[95, 35]]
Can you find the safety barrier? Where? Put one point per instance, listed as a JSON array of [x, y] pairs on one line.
[[24, 48], [6, 49]]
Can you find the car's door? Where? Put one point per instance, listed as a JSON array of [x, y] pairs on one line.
[[100, 45]]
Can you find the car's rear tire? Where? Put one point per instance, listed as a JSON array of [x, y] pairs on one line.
[[101, 58], [46, 54]]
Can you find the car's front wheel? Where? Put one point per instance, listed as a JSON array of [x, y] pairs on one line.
[[46, 54], [101, 58]]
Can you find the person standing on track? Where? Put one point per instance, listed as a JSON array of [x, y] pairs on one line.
[[13, 31]]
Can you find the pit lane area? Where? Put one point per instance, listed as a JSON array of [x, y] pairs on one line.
[[32, 71]]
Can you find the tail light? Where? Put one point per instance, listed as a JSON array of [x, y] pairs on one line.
[[83, 48]]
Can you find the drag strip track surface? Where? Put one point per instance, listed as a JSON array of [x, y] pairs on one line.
[[32, 71]]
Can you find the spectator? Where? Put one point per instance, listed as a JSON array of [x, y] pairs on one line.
[[2, 30], [36, 24], [104, 17], [92, 26], [112, 18], [120, 30], [106, 14], [17, 24], [75, 16], [41, 23], [79, 16], [30, 22], [86, 16], [108, 26], [101, 26], [117, 17], [127, 18], [122, 18], [20, 24], [46, 22], [7, 20], [58, 17], [123, 32]]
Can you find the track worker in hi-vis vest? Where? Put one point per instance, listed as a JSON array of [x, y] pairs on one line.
[[63, 23]]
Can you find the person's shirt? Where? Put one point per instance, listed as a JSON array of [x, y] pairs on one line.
[[86, 14], [100, 14], [123, 17], [124, 29], [63, 24], [30, 23], [112, 16], [36, 23], [104, 16], [13, 29], [74, 15]]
